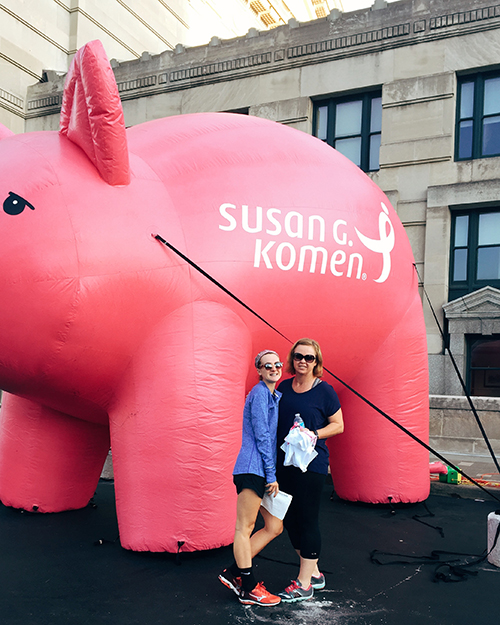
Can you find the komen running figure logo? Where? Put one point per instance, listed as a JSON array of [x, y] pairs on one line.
[[384, 245], [317, 255]]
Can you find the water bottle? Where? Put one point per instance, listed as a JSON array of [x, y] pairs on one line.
[[298, 422]]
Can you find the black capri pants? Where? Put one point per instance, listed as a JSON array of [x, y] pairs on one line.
[[302, 519]]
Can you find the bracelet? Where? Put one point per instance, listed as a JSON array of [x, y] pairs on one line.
[[316, 433]]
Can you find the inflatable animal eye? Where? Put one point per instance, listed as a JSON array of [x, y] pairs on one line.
[[14, 204]]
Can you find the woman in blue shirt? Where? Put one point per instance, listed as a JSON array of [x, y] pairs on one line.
[[254, 474], [319, 408]]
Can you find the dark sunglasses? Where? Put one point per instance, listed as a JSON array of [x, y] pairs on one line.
[[308, 357], [270, 365]]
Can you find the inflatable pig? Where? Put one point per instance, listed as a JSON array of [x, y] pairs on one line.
[[109, 337]]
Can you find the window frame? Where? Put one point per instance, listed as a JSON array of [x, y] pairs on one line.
[[366, 134], [459, 288], [470, 340], [478, 79]]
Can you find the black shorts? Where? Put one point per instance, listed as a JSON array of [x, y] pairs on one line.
[[251, 481]]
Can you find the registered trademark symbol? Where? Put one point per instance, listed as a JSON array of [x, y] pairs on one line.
[[363, 277]]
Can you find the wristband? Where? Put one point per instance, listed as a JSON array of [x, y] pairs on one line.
[[316, 433]]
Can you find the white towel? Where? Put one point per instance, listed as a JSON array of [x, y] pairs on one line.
[[299, 447]]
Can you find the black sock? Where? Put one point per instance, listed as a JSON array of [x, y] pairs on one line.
[[248, 581], [235, 571]]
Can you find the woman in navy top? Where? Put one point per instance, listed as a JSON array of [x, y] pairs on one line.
[[319, 408], [254, 474]]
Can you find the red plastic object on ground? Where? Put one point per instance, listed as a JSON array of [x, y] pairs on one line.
[[438, 467], [107, 333]]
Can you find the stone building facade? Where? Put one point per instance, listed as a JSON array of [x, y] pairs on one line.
[[409, 90], [35, 36]]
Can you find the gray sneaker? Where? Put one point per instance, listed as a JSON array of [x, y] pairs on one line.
[[318, 583], [296, 592]]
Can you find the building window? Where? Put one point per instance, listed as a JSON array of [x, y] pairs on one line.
[[352, 125], [478, 116], [475, 251], [244, 111], [483, 371]]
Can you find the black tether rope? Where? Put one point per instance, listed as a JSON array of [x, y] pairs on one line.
[[451, 570], [222, 287], [459, 375], [367, 401]]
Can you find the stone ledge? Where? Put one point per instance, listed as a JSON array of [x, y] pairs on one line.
[[467, 446], [460, 402]]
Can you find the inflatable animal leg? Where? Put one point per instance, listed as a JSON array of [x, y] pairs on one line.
[[373, 460], [176, 428], [49, 461]]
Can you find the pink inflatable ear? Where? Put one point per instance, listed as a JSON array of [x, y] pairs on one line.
[[4, 132], [92, 114]]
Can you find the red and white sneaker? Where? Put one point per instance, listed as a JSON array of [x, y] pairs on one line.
[[259, 596], [231, 582]]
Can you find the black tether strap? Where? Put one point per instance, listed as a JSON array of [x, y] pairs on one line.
[[451, 570], [459, 375], [367, 401], [221, 286]]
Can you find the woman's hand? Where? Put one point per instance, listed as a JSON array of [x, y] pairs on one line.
[[272, 489]]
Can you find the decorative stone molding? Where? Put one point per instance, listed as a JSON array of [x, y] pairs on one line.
[[286, 47], [50, 101], [464, 194], [464, 17], [476, 313], [346, 42], [13, 100], [481, 304], [138, 83]]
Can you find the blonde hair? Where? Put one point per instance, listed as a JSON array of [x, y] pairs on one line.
[[318, 367]]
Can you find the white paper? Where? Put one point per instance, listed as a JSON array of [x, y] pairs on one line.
[[277, 506]]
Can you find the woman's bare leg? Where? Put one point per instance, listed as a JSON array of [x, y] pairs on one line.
[[247, 509]]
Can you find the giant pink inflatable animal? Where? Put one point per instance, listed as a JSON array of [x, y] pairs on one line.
[[107, 335]]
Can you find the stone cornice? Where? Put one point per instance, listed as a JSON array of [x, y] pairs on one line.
[[481, 304], [288, 47]]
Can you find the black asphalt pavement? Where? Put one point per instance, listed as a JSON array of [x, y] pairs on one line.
[[52, 571]]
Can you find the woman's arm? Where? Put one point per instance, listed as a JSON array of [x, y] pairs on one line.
[[259, 421], [335, 425]]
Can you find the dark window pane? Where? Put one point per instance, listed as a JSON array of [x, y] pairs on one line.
[[466, 100], [488, 263], [465, 139], [460, 265], [491, 135], [350, 148], [348, 118], [485, 353], [461, 230], [485, 367], [485, 383], [491, 96], [376, 116], [374, 153]]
